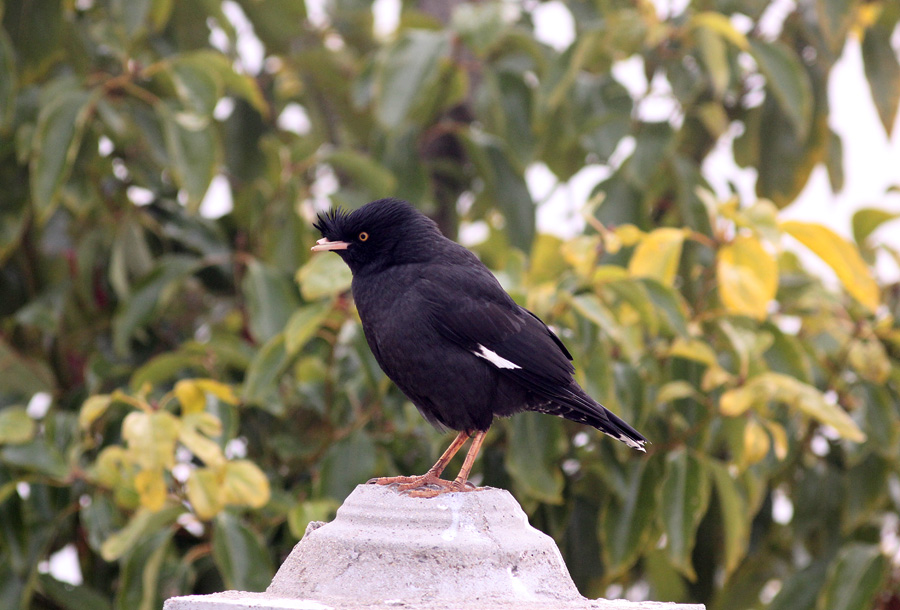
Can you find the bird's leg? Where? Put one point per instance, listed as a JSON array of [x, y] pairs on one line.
[[433, 476], [459, 483]]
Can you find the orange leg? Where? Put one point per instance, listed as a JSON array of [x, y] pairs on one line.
[[433, 476], [461, 480]]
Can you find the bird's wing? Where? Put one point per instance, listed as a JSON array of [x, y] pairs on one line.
[[470, 309]]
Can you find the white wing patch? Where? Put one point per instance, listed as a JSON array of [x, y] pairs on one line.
[[494, 358]]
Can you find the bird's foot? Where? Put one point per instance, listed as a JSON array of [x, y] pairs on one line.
[[392, 480], [445, 488], [423, 486]]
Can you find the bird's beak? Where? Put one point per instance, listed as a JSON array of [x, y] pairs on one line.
[[323, 244]]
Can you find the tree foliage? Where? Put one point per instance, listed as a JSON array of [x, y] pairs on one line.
[[182, 394]]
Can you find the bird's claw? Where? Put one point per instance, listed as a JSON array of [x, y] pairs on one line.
[[423, 486]]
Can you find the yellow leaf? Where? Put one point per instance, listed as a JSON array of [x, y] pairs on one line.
[[245, 484], [870, 360], [207, 423], [222, 391], [756, 443], [151, 488], [16, 426], [714, 377], [92, 409], [191, 397], [203, 492], [694, 349], [205, 449], [113, 467], [796, 395], [721, 25], [736, 402], [747, 276], [675, 390], [779, 438], [658, 255], [151, 438], [841, 256], [580, 253], [628, 234]]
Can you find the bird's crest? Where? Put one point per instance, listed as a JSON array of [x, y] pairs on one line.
[[329, 223]]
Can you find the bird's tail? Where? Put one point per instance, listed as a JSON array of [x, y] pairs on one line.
[[584, 409]]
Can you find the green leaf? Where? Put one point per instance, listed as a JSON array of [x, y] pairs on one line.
[[347, 463], [590, 306], [244, 484], [72, 597], [720, 24], [304, 324], [16, 426], [203, 492], [735, 518], [303, 513], [407, 73], [801, 590], [150, 295], [261, 381], [57, 138], [196, 85], [855, 579], [504, 186], [787, 80], [241, 555], [684, 498], [669, 305], [36, 456], [481, 26], [834, 162], [626, 523], [784, 159], [141, 523], [835, 18], [138, 587], [270, 297], [193, 151], [132, 13], [533, 454], [374, 178], [715, 55], [883, 73], [92, 409], [324, 275], [8, 84], [867, 220]]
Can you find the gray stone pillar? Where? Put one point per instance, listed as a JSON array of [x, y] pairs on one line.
[[386, 550]]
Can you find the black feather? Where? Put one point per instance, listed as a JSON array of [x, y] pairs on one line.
[[445, 331]]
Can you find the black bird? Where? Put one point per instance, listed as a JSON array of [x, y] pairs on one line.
[[444, 330]]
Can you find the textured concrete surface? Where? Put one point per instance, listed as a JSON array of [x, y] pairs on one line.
[[387, 550]]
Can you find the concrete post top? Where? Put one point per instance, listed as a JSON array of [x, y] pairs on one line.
[[388, 550]]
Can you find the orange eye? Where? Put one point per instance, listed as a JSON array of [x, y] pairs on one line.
[[363, 236]]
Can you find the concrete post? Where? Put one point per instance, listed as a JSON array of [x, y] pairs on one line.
[[384, 549]]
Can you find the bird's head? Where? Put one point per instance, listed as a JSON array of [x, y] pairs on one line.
[[377, 235]]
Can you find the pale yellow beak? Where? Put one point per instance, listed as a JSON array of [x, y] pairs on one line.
[[323, 244]]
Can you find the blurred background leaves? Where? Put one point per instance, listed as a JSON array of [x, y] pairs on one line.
[[183, 387]]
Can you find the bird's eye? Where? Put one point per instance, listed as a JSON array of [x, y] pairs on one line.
[[363, 236]]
